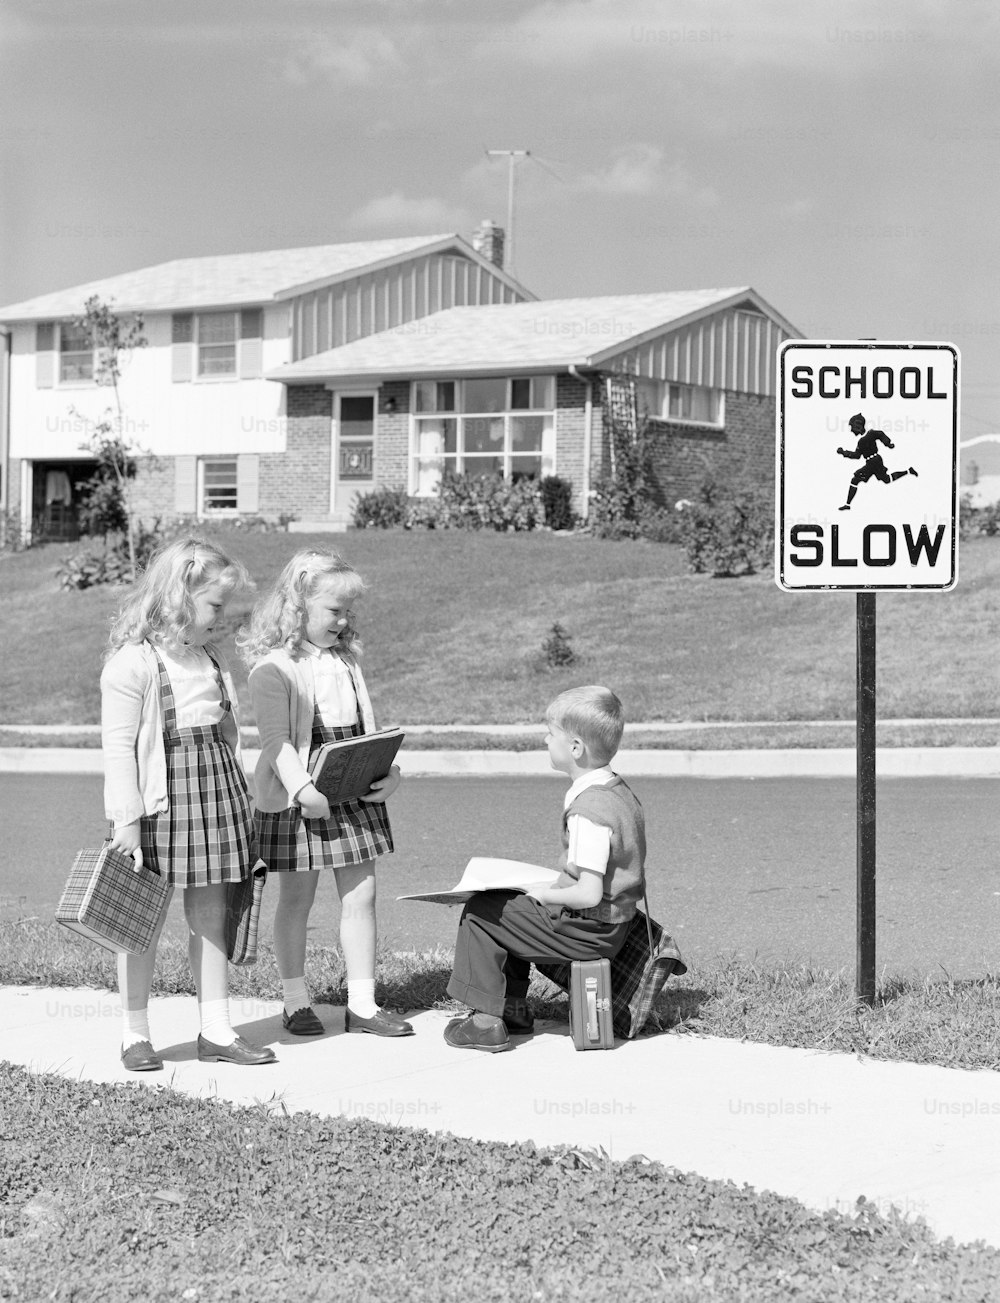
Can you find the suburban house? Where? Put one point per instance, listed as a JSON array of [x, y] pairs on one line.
[[282, 384]]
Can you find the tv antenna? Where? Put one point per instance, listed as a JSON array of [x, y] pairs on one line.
[[512, 156]]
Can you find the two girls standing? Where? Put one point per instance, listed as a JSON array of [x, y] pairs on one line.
[[175, 792]]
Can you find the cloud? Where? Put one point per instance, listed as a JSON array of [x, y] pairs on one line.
[[639, 171], [361, 58], [397, 212]]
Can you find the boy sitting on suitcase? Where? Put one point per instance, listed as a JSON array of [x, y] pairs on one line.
[[585, 913]]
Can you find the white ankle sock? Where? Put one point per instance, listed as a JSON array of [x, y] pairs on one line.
[[361, 997], [135, 1026], [295, 993], [215, 1024]]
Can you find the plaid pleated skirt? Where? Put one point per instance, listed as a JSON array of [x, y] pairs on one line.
[[355, 833], [205, 836]]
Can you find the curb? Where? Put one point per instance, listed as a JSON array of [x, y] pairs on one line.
[[835, 762]]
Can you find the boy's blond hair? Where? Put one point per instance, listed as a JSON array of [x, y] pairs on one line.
[[593, 714]]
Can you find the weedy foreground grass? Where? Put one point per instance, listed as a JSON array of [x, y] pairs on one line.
[[115, 1193]]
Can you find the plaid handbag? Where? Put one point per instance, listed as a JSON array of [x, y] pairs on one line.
[[639, 972], [108, 900], [243, 915]]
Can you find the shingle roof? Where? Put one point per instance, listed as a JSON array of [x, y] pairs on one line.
[[231, 279], [546, 334]]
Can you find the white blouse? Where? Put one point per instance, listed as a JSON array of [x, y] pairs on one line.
[[195, 685], [333, 687]]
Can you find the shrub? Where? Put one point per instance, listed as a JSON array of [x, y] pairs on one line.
[[557, 501], [556, 649], [89, 569], [383, 508], [621, 500], [728, 530], [480, 502]]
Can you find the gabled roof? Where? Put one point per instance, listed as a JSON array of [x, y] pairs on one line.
[[546, 335], [239, 279]]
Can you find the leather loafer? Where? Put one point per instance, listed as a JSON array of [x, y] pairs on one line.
[[463, 1034], [384, 1023], [141, 1057], [303, 1022], [517, 1019], [241, 1052]]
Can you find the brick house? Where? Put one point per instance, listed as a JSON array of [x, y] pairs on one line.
[[529, 389], [283, 384]]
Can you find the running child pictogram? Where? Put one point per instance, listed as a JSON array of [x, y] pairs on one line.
[[868, 448]]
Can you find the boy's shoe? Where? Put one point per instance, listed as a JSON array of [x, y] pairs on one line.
[[141, 1057], [303, 1022], [383, 1023], [463, 1034], [240, 1052], [517, 1019]]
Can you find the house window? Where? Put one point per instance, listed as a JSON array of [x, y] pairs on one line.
[[666, 401], [483, 426], [76, 353], [216, 343], [219, 484]]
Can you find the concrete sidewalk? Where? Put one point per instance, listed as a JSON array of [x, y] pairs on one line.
[[819, 1127]]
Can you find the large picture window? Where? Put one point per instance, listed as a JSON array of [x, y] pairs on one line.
[[482, 426]]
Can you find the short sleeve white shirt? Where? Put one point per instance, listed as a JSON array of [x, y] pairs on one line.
[[589, 843]]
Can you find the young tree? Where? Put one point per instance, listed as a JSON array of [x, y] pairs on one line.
[[108, 503]]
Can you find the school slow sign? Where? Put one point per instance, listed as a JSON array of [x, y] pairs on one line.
[[867, 457]]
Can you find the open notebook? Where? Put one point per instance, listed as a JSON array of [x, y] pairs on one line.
[[486, 873]]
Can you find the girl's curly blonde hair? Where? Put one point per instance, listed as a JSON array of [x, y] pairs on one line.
[[160, 606], [279, 619]]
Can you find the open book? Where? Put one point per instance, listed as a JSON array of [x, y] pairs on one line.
[[485, 873], [345, 770]]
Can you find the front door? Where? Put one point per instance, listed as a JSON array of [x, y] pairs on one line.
[[353, 449]]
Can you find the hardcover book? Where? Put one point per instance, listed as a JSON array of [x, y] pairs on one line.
[[345, 770], [488, 873]]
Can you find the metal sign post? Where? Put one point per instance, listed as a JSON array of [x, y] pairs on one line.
[[866, 499], [865, 779]]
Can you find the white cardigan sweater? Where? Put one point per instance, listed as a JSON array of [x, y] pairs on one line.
[[282, 692], [135, 763]]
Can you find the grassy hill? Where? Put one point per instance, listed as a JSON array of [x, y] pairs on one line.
[[454, 625]]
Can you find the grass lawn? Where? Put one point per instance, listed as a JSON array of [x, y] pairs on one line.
[[455, 621]]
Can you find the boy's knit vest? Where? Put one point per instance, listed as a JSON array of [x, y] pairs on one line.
[[614, 806]]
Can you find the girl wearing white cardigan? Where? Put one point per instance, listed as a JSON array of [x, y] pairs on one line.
[[174, 788]]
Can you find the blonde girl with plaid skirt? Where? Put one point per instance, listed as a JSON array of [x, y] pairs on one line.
[[174, 788], [307, 689]]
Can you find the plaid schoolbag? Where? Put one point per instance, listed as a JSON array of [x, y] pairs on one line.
[[639, 972]]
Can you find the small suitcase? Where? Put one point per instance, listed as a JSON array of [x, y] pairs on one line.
[[107, 900], [590, 1004]]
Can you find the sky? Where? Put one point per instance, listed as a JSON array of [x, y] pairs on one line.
[[843, 159]]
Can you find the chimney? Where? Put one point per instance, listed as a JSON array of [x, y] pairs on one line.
[[488, 240]]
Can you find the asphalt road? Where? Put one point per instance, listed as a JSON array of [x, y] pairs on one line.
[[758, 867]]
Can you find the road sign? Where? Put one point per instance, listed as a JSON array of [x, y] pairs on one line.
[[867, 466]]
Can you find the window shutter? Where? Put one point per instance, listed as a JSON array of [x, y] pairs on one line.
[[45, 357], [251, 347], [248, 482], [182, 346], [186, 486]]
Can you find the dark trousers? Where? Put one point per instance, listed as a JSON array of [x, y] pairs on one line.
[[500, 935]]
